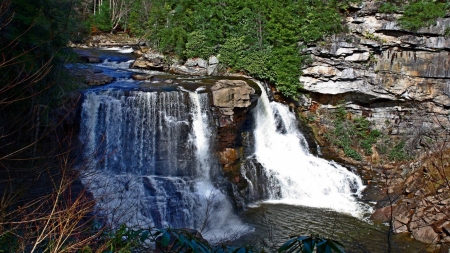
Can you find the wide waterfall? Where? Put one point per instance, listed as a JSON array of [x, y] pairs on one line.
[[149, 157], [292, 175], [149, 163]]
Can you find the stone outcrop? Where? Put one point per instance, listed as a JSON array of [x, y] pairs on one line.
[[108, 40], [384, 70], [92, 77], [232, 101], [192, 66], [230, 94], [400, 81], [152, 61], [196, 67], [141, 77]]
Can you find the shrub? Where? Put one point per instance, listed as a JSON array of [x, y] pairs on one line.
[[233, 51], [353, 135], [388, 8], [102, 20], [196, 46], [420, 14]]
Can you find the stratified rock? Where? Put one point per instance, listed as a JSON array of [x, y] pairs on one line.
[[232, 102], [229, 94], [415, 63]]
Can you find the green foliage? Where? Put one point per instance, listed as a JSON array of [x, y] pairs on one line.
[[233, 51], [102, 19], [196, 46], [8, 243], [397, 153], [124, 239], [309, 244], [388, 8], [320, 20], [447, 32], [421, 13], [257, 37], [353, 135], [179, 240]]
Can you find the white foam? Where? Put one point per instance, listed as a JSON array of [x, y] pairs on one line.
[[304, 179]]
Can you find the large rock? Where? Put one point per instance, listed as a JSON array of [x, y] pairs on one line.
[[232, 101], [425, 234], [152, 61], [398, 80], [91, 77], [231, 93], [141, 77], [186, 70]]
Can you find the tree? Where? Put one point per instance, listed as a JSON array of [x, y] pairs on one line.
[[41, 208]]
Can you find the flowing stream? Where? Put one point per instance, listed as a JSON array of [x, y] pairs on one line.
[[149, 160], [296, 176]]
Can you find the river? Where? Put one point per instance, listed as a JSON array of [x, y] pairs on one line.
[[150, 162]]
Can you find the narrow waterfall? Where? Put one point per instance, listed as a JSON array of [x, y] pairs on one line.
[[291, 174], [148, 160]]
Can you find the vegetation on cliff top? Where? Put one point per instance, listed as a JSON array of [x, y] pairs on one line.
[[416, 14], [261, 38]]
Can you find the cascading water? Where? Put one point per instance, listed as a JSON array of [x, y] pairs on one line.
[[152, 159], [292, 175]]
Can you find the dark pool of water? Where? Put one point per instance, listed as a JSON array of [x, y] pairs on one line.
[[275, 223]]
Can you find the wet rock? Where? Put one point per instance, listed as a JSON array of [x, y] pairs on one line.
[[90, 59], [141, 77], [92, 78]]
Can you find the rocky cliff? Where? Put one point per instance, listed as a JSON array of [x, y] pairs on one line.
[[400, 82]]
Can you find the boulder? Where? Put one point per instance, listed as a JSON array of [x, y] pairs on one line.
[[425, 234], [196, 62], [92, 77], [186, 70], [152, 61], [213, 60], [141, 77], [231, 93], [90, 59]]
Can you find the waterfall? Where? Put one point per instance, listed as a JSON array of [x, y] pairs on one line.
[[148, 161], [294, 176]]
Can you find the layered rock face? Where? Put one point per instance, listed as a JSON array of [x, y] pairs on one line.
[[384, 72], [401, 82], [193, 66], [232, 102]]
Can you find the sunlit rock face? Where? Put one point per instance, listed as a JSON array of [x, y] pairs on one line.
[[379, 70], [400, 81]]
